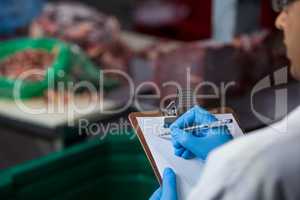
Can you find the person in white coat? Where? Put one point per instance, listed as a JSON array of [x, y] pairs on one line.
[[264, 165]]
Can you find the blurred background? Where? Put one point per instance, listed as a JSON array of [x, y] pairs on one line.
[[49, 155]]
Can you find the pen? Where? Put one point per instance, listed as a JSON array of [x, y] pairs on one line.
[[215, 124]]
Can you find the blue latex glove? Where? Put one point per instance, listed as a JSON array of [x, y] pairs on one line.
[[188, 145], [168, 189]]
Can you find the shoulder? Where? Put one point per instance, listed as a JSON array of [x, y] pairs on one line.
[[267, 172], [254, 144], [270, 171], [282, 160], [262, 165], [266, 146], [274, 174]]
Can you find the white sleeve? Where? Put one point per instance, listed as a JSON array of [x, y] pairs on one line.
[[247, 169]]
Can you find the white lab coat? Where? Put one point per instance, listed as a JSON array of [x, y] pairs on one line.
[[262, 166]]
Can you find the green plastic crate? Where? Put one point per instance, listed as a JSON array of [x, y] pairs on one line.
[[28, 89], [68, 58], [114, 168]]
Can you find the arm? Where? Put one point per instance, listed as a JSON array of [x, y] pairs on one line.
[[263, 165], [188, 146]]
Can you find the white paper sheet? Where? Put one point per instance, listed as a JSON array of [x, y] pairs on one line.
[[188, 171]]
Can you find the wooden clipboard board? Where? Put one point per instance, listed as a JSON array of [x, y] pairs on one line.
[[133, 120]]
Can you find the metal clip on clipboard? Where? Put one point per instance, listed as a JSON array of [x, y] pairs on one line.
[[184, 101]]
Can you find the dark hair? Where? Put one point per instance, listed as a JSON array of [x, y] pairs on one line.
[[279, 5]]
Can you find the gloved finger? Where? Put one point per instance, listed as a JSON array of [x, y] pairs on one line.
[[182, 137], [184, 120], [196, 115], [210, 143], [178, 148], [203, 117], [187, 140], [188, 155], [156, 195], [179, 152], [169, 191], [176, 144]]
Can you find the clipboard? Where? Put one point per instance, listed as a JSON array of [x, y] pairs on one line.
[[134, 122]]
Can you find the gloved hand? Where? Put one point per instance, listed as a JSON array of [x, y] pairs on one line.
[[187, 145], [168, 189]]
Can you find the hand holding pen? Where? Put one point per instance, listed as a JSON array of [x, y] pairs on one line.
[[209, 135]]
